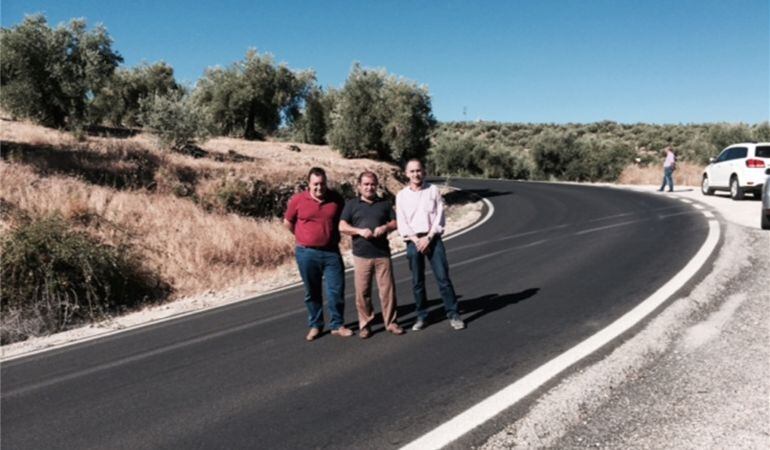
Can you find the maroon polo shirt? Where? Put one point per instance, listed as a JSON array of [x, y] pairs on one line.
[[316, 224]]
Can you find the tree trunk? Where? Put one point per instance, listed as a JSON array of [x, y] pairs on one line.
[[251, 133]]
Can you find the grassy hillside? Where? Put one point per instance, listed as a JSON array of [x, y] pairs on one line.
[[185, 223]]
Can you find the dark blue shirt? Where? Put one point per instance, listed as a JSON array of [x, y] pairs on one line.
[[361, 214]]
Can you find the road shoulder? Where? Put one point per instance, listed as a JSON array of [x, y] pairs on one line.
[[697, 375], [460, 218]]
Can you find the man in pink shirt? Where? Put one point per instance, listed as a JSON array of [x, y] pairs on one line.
[[420, 218], [669, 165], [313, 216]]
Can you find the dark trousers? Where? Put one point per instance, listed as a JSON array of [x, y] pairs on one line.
[[316, 266], [668, 178], [436, 254]]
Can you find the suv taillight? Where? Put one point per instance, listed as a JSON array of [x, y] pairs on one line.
[[755, 164]]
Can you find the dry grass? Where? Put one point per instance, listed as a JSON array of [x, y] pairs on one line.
[[686, 174], [122, 190], [190, 248]]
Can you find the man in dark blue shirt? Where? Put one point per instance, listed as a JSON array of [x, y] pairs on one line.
[[368, 219]]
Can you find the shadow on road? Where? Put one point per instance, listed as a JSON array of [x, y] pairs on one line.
[[471, 195], [471, 309]]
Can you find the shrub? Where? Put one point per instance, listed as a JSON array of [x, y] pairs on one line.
[[53, 276], [552, 152], [253, 198], [563, 155], [598, 159], [503, 163], [723, 135], [474, 158], [175, 120], [457, 157], [761, 132]]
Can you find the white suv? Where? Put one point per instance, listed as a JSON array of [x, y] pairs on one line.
[[740, 168]]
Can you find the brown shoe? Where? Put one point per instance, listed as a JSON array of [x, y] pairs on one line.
[[342, 332], [364, 333], [395, 329], [312, 334]]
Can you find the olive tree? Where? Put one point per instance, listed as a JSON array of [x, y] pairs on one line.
[[119, 102], [381, 115], [252, 97], [51, 75]]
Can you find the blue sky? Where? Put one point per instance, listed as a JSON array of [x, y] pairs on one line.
[[552, 61]]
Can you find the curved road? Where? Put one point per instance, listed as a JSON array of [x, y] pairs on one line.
[[555, 264]]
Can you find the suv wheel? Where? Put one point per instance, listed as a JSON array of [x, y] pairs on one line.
[[704, 186], [736, 193]]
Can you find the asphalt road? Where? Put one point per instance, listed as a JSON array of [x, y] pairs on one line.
[[555, 264]]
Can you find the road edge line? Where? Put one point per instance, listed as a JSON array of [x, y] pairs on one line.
[[488, 408], [108, 333]]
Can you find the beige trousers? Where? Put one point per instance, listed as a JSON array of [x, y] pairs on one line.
[[382, 269]]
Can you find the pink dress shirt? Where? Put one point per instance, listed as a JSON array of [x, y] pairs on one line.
[[420, 212]]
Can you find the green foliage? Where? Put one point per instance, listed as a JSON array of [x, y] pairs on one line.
[[503, 163], [557, 149], [253, 198], [359, 115], [761, 132], [119, 102], [457, 157], [553, 151], [472, 157], [252, 97], [312, 125], [376, 114], [723, 135], [175, 120], [409, 120], [51, 75], [598, 159], [53, 276], [564, 155]]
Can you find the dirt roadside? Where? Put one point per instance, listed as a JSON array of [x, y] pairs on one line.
[[697, 376], [459, 217]]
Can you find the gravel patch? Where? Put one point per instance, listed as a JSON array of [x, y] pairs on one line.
[[697, 376]]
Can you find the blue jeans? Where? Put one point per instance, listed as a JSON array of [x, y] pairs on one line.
[[668, 178], [437, 256], [315, 265]]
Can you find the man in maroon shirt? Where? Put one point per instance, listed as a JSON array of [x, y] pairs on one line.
[[313, 216]]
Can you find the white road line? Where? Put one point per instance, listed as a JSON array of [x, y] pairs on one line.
[[697, 206], [685, 200], [259, 298], [708, 214], [507, 397], [593, 230]]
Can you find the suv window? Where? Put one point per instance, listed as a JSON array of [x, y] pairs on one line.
[[739, 152], [763, 152], [723, 156]]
